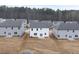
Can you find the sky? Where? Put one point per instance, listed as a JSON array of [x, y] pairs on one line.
[[55, 7], [54, 4]]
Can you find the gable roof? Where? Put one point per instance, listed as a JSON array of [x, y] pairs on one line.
[[68, 26], [12, 23], [40, 24]]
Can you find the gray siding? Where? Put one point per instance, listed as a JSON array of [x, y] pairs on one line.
[[67, 34], [11, 31]]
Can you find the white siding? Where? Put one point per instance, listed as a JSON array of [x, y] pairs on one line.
[[66, 34], [40, 31]]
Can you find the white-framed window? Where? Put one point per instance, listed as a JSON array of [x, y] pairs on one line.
[[76, 35], [37, 29], [15, 32], [41, 34], [35, 33], [45, 34]]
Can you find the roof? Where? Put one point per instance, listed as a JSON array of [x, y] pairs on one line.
[[68, 26], [39, 24], [12, 23]]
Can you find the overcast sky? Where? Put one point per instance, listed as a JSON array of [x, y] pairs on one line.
[[54, 4]]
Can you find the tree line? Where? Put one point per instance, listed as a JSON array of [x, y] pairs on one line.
[[38, 14]]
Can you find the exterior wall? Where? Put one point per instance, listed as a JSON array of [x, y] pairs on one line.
[[10, 32], [23, 28], [40, 31], [54, 32], [24, 24], [67, 34]]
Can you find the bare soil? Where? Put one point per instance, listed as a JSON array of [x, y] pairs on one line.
[[28, 45]]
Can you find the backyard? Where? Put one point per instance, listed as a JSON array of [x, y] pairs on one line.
[[37, 45]]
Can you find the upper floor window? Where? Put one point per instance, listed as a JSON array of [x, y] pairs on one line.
[[12, 28], [6, 27], [37, 29], [67, 30], [32, 29], [40, 28], [73, 30]]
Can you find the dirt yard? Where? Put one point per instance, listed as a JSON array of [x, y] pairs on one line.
[[28, 45], [32, 45], [10, 45]]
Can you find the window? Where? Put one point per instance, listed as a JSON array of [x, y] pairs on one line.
[[76, 35], [35, 33], [15, 32], [40, 28], [67, 30], [26, 26], [64, 21], [4, 32], [65, 35], [37, 29], [18, 27], [70, 36], [45, 33], [32, 29], [9, 33], [58, 35], [41, 34], [6, 27], [12, 28]]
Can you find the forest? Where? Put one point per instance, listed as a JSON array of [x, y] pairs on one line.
[[38, 14]]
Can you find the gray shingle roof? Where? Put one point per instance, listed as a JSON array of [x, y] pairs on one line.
[[12, 23], [68, 26], [40, 24]]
